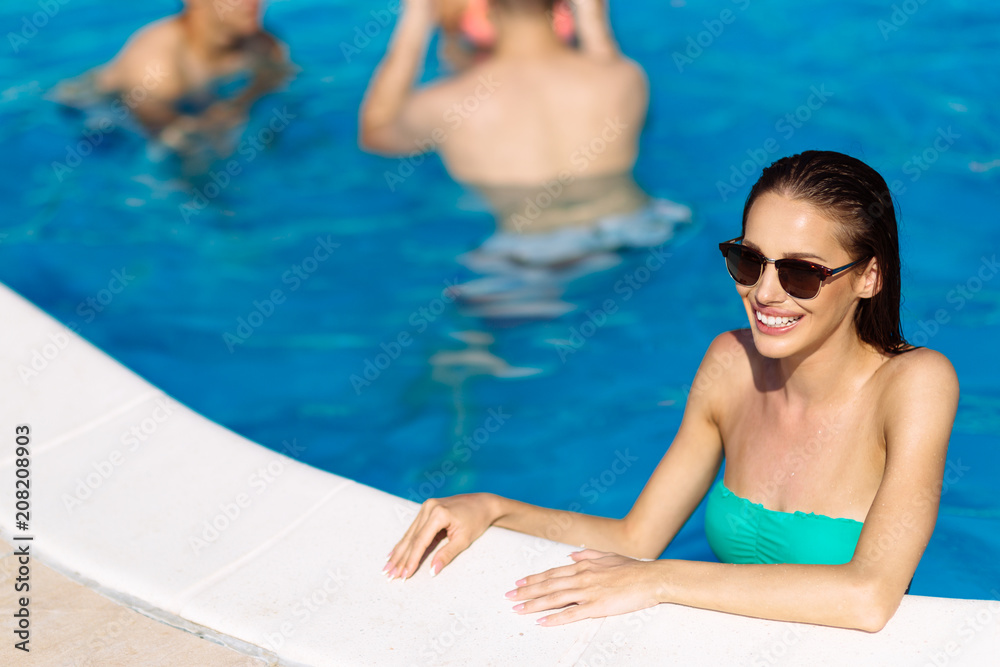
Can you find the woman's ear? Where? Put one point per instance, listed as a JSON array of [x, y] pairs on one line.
[[872, 278]]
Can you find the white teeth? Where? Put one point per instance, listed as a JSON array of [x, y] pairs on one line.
[[772, 321]]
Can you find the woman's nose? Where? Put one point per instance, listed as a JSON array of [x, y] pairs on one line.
[[769, 289]]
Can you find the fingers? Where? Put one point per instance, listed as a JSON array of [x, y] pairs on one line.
[[542, 587], [575, 613], [432, 524], [554, 573], [554, 589], [400, 555], [424, 541], [556, 600], [582, 559], [404, 541], [447, 553]]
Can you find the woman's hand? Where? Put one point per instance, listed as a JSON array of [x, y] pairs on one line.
[[463, 518], [599, 584]]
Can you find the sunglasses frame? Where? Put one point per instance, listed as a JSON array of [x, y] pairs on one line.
[[823, 271]]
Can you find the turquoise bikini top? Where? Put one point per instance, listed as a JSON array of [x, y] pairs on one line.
[[740, 531]]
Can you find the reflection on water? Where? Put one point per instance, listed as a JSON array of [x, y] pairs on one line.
[[552, 235], [455, 367]]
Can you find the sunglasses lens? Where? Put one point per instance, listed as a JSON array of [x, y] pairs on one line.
[[801, 282], [744, 265]]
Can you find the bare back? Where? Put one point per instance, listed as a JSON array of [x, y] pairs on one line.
[[526, 121]]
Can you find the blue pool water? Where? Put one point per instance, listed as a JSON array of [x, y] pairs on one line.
[[882, 94]]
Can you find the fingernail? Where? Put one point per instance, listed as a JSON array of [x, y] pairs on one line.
[[518, 607], [542, 621], [510, 594], [402, 576], [520, 582], [435, 568]]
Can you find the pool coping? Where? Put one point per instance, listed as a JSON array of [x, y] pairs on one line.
[[73, 623], [151, 504]]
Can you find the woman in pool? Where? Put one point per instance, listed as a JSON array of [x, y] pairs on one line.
[[821, 409]]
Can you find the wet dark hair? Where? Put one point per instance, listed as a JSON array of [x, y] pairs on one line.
[[854, 194]]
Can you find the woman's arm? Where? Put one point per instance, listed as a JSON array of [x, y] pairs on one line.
[[391, 118], [464, 518], [594, 29], [676, 487], [863, 594]]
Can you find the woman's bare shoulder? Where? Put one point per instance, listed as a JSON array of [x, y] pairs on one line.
[[727, 365], [920, 386], [735, 344], [920, 365]]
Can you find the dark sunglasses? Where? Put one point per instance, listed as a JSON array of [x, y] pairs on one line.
[[799, 278]]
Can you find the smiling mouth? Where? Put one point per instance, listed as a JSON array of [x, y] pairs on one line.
[[772, 322]]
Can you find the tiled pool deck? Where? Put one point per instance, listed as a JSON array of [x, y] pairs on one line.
[[143, 501]]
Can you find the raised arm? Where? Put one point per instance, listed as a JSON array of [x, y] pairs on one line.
[[671, 495], [862, 594], [394, 116], [594, 29]]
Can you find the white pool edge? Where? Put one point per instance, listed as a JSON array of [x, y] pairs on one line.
[[131, 539]]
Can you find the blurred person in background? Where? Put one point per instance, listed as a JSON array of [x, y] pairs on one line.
[[189, 79], [545, 131], [468, 34]]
